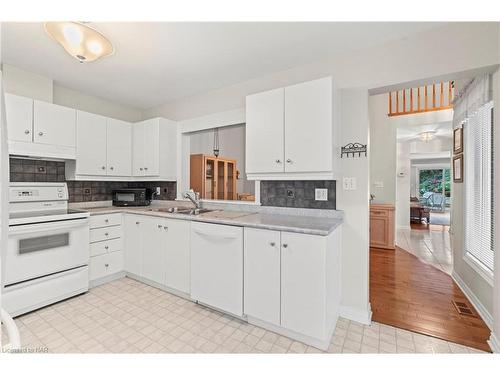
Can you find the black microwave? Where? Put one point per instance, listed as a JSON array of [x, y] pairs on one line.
[[132, 197]]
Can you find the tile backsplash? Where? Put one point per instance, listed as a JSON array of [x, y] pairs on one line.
[[298, 194], [30, 170]]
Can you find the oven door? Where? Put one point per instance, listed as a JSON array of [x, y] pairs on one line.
[[41, 249]]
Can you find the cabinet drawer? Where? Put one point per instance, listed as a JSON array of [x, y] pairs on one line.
[[105, 265], [102, 234], [378, 213], [103, 247], [99, 221]]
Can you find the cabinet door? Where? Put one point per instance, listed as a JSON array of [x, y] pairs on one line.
[[153, 246], [308, 126], [90, 144], [54, 124], [119, 148], [177, 275], [264, 132], [262, 274], [151, 148], [138, 149], [19, 112], [303, 283], [133, 243]]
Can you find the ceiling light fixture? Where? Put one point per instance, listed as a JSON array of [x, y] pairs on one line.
[[427, 136], [81, 41]]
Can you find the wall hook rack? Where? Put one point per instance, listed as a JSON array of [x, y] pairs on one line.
[[353, 149]]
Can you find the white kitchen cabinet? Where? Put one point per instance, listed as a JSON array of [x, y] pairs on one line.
[[154, 149], [118, 147], [133, 225], [105, 265], [264, 132], [153, 250], [19, 112], [262, 274], [293, 132], [158, 250], [90, 144], [303, 288], [308, 127], [54, 124], [217, 266], [292, 283], [177, 265]]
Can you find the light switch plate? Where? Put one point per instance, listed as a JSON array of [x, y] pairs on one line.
[[321, 194], [346, 183], [158, 190]]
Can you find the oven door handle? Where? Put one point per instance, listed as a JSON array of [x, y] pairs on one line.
[[54, 225]]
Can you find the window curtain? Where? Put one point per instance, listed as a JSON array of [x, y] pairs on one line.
[[474, 95]]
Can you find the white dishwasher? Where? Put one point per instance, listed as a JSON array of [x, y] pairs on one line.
[[217, 266]]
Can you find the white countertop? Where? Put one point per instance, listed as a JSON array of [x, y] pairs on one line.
[[291, 223]]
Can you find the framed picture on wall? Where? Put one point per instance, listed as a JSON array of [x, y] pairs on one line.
[[458, 141], [458, 168]]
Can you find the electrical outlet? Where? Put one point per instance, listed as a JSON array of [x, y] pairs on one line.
[[349, 183], [158, 190], [321, 194], [290, 193]]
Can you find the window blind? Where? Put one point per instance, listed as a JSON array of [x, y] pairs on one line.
[[478, 181]]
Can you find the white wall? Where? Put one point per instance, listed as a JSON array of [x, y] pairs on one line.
[[403, 169], [383, 151], [355, 204], [231, 145], [24, 83]]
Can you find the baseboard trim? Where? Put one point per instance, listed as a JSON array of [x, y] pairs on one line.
[[485, 315], [358, 315], [494, 344], [159, 286], [106, 279]]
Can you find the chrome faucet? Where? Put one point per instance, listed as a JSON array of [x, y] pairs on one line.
[[196, 200]]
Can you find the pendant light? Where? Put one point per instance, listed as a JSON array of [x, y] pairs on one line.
[[81, 41], [216, 142]]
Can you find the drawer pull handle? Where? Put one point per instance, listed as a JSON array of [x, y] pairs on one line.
[[106, 247], [285, 245], [272, 244], [137, 222], [377, 212], [160, 226], [106, 265], [166, 228], [106, 234]]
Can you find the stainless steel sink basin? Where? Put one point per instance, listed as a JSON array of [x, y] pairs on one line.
[[184, 210]]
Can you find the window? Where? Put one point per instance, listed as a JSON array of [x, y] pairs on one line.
[[478, 185]]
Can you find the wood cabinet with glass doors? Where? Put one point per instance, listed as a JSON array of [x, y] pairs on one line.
[[213, 177]]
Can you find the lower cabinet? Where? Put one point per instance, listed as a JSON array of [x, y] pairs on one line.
[[292, 282], [106, 265], [157, 249]]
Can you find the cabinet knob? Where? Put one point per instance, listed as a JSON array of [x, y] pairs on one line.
[[166, 228], [289, 161], [106, 234], [106, 220], [40, 133], [272, 244], [160, 226], [278, 161], [106, 247], [106, 265], [111, 168], [140, 169], [137, 222], [285, 245], [145, 168], [103, 167], [26, 131]]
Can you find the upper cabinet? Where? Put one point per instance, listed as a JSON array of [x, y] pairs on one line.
[[292, 132], [53, 124], [154, 149], [42, 129], [19, 112], [103, 146]]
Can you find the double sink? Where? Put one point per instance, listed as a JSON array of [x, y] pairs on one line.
[[182, 210]]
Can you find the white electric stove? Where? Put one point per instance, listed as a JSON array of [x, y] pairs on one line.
[[47, 256]]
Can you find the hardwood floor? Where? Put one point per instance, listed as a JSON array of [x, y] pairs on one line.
[[409, 294], [423, 226]]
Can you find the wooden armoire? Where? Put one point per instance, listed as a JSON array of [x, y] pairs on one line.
[[213, 177]]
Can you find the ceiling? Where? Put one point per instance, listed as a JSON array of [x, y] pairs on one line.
[[411, 132], [158, 62]]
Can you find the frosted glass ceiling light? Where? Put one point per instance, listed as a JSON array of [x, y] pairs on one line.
[[81, 41], [427, 136]]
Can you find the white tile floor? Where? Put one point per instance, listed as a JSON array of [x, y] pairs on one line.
[[126, 316], [431, 246]]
